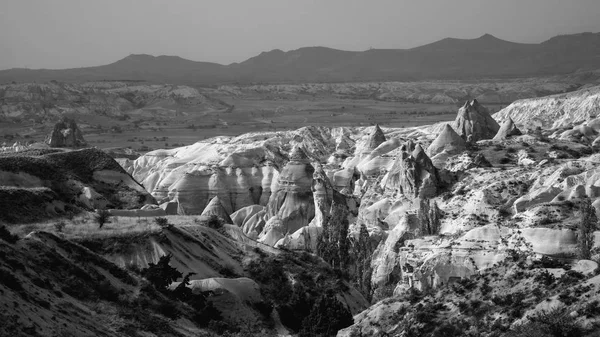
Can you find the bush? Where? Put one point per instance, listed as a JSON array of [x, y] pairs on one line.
[[59, 226], [556, 322], [214, 222], [505, 160], [7, 236], [161, 274], [545, 278], [326, 317], [102, 217], [162, 222]]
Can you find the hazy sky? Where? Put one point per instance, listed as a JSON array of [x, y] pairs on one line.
[[76, 33]]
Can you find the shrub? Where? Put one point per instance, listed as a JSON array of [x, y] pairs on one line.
[[59, 226], [505, 160], [555, 322], [214, 222], [102, 217], [7, 236], [326, 317], [545, 278], [162, 222], [161, 274], [227, 271]]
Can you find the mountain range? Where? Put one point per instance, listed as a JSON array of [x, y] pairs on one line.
[[450, 58]]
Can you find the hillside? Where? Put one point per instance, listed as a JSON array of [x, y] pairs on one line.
[[486, 56], [49, 183]]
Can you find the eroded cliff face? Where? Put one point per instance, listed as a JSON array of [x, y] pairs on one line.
[[292, 200], [554, 111]]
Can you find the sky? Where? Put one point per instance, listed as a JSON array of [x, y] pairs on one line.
[[59, 34]]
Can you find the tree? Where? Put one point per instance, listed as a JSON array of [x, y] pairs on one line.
[[362, 249], [161, 274], [161, 221], [327, 317], [333, 244], [587, 226], [102, 217]]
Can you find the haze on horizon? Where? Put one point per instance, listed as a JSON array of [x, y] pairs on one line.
[[73, 33]]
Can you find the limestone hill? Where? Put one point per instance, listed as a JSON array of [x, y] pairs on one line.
[[51, 183]]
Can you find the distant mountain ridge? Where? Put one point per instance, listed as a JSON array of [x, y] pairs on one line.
[[450, 58]]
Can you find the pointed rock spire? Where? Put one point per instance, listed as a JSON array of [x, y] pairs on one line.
[[475, 122], [449, 140], [508, 129], [215, 207], [298, 155], [376, 138], [418, 151]]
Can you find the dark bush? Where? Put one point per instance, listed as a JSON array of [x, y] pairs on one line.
[[7, 236], [505, 160], [161, 274], [545, 278], [102, 217], [214, 222], [326, 317], [162, 222]]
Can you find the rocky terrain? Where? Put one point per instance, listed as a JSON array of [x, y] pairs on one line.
[[482, 226], [441, 203], [38, 184]]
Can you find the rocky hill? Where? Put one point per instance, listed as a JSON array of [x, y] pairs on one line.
[[486, 56], [38, 101], [49, 183], [484, 226], [52, 285], [416, 208]]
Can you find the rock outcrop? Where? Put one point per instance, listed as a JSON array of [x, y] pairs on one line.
[[66, 133], [508, 129], [474, 122], [215, 209], [447, 140], [412, 175], [292, 199]]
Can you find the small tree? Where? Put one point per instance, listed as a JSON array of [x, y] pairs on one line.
[[59, 226], [162, 222], [102, 217], [327, 317], [587, 226], [161, 274], [214, 222]]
